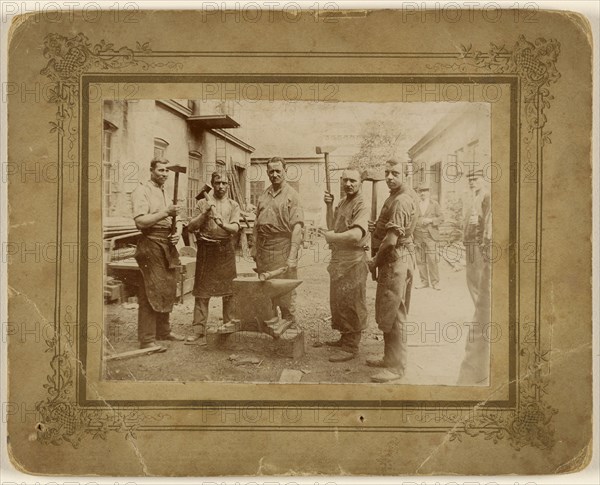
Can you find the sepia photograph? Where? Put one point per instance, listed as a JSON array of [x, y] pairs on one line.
[[297, 242], [325, 242]]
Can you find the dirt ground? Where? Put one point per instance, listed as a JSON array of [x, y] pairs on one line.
[[436, 338]]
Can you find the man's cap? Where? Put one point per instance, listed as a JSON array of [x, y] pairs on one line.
[[423, 188], [473, 174]]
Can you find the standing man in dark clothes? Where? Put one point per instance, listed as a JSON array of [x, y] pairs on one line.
[[475, 366], [473, 211], [278, 232], [394, 262], [156, 255], [347, 238], [427, 238], [215, 222]]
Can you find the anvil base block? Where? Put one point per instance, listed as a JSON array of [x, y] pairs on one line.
[[286, 341]]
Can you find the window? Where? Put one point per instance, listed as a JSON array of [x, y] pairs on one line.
[[257, 187], [160, 147], [195, 181], [109, 167]]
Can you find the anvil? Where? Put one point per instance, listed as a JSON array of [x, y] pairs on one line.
[[254, 307]]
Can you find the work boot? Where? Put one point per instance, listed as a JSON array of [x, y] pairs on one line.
[[334, 343], [172, 337], [388, 375], [198, 335]]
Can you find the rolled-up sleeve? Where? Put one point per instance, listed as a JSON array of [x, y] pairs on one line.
[[399, 218], [140, 202], [360, 218], [295, 210], [234, 217]]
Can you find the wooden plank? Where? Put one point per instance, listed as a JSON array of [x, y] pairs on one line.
[[136, 353]]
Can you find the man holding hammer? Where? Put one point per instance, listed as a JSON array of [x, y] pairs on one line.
[[215, 222], [156, 255], [394, 263], [347, 238]]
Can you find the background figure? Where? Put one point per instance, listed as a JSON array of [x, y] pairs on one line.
[[474, 369], [156, 255], [394, 261], [278, 232], [473, 256], [427, 237], [347, 238], [215, 222]]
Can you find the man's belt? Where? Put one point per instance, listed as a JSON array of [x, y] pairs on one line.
[[208, 240], [158, 234], [282, 235], [338, 247]]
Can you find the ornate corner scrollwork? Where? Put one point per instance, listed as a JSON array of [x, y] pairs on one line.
[[63, 420], [71, 57], [530, 424], [535, 64]]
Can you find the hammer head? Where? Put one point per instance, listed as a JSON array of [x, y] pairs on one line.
[[327, 149], [177, 168], [373, 175], [203, 192]]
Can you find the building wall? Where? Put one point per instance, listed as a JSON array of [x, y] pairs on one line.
[[136, 126], [462, 144]]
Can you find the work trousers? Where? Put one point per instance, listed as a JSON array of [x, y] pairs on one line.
[[395, 347], [152, 325], [475, 367], [427, 259], [392, 301], [201, 311], [474, 267]]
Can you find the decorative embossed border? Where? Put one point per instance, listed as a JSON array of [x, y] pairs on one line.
[[533, 64]]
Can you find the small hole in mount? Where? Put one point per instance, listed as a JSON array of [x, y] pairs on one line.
[[362, 419]]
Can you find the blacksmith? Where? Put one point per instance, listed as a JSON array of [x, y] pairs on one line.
[[215, 222], [156, 255], [278, 232], [347, 238], [394, 262]]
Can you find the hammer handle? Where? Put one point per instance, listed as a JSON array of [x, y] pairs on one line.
[[373, 218], [374, 201], [327, 178], [174, 221], [272, 274]]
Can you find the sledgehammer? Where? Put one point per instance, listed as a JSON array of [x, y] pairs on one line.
[[177, 169], [373, 175]]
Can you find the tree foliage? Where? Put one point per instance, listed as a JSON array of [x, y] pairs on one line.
[[379, 143]]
